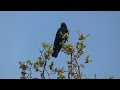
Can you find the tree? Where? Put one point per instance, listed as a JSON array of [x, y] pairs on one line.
[[45, 67]]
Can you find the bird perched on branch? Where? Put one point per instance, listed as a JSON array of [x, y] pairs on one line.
[[61, 37]]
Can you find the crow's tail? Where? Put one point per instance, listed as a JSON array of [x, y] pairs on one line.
[[55, 53]]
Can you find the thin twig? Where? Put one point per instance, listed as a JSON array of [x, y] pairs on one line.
[[40, 51], [78, 33], [44, 70], [78, 67], [38, 47], [47, 73], [71, 68], [30, 70]]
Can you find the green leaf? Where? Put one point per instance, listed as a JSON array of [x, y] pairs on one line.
[[77, 55], [28, 62], [20, 62], [83, 37], [82, 65], [62, 76], [36, 68], [88, 59], [44, 45], [23, 66]]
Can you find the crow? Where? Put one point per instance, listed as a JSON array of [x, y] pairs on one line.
[[59, 39]]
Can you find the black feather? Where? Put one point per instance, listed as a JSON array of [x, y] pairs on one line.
[[58, 39]]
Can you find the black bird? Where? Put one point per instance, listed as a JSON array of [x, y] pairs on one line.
[[59, 39]]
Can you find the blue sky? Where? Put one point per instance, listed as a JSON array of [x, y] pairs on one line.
[[20, 29]]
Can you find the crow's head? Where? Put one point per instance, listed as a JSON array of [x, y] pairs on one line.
[[63, 25]]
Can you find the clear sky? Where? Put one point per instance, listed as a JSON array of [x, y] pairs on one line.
[[20, 29]]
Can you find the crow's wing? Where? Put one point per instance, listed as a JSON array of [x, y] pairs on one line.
[[57, 45]]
